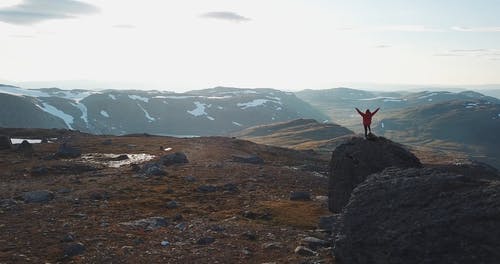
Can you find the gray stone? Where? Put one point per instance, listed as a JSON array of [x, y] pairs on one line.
[[300, 196], [152, 169], [172, 205], [354, 160], [205, 240], [175, 158], [66, 151], [327, 222], [303, 251], [315, 243], [5, 142], [207, 188], [40, 196], [418, 215], [272, 245], [150, 223], [73, 249]]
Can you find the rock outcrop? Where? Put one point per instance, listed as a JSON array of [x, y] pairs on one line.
[[5, 142], [354, 160], [422, 215]]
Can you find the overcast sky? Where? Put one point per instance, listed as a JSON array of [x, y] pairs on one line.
[[284, 44]]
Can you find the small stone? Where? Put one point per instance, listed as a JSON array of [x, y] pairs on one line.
[[190, 178], [73, 249], [67, 152], [177, 217], [303, 251], [300, 196], [230, 187], [272, 245], [315, 243], [147, 223], [165, 243], [250, 235], [207, 188], [205, 240], [41, 196], [172, 205], [68, 238], [181, 226], [327, 222], [38, 171]]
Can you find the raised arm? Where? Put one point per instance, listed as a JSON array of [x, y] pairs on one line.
[[359, 112], [375, 111]]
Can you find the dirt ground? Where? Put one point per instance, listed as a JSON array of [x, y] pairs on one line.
[[248, 219]]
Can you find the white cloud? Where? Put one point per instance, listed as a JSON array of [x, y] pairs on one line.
[[224, 15], [477, 29], [34, 11]]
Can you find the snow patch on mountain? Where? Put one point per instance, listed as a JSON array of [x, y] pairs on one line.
[[22, 92], [137, 97], [104, 113], [112, 96], [237, 124], [68, 119], [200, 110], [146, 114], [254, 103], [84, 111]]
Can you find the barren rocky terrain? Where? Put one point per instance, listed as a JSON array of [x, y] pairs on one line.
[[233, 202]]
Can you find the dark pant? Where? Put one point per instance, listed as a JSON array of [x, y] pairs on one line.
[[369, 129]]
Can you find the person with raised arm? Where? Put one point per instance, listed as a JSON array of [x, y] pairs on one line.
[[367, 119]]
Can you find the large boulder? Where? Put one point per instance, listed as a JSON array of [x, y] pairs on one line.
[[422, 215], [354, 160], [174, 158], [66, 151], [5, 142]]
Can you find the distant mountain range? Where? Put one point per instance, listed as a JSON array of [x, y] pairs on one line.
[[214, 111], [467, 122]]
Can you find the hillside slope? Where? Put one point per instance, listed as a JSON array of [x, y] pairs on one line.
[[214, 111], [293, 134]]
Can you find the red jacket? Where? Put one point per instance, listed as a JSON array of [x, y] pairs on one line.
[[367, 117]]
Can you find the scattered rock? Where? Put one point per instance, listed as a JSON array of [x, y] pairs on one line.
[[252, 159], [354, 160], [327, 222], [421, 216], [174, 158], [272, 245], [315, 243], [190, 178], [67, 152], [303, 251], [25, 147], [230, 188], [205, 240], [68, 238], [150, 223], [165, 243], [206, 188], [40, 196], [300, 196], [5, 142], [152, 169], [73, 249], [8, 204], [181, 226], [250, 235], [172, 205], [39, 171], [217, 228]]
